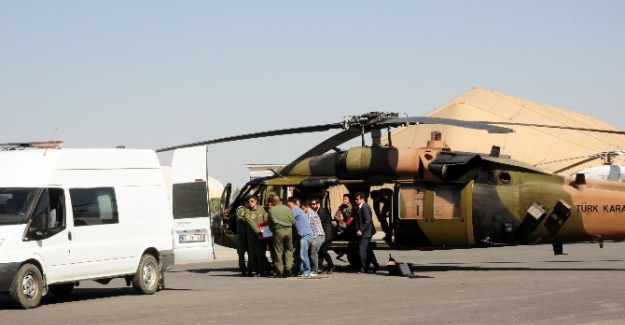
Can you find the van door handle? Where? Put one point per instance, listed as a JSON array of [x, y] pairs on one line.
[[69, 235]]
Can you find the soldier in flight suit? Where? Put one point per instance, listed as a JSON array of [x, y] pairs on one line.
[[348, 213], [343, 218], [242, 239], [257, 247]]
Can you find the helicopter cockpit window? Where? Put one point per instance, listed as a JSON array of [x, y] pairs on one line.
[[246, 191], [411, 202], [447, 202]]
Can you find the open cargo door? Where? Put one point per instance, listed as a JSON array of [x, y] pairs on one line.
[[434, 215], [190, 204]]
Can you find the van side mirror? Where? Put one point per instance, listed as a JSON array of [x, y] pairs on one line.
[[38, 226]]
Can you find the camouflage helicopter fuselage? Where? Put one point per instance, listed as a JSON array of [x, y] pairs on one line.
[[446, 199]]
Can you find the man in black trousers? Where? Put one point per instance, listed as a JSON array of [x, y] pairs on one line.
[[365, 230], [326, 222]]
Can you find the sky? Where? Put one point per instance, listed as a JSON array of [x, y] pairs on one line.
[[151, 74]]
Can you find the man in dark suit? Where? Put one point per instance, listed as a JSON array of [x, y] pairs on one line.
[[365, 230]]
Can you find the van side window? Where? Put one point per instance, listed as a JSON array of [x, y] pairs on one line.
[[94, 206]]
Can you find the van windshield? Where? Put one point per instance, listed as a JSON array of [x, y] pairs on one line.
[[14, 204]]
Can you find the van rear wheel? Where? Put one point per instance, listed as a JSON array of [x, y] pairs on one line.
[[27, 287], [146, 279]]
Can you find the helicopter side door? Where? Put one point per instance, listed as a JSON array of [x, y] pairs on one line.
[[224, 223], [433, 215]]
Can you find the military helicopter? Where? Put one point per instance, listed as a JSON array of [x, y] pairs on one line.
[[441, 199]]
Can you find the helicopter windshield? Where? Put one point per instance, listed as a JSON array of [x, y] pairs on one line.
[[14, 204], [248, 189]]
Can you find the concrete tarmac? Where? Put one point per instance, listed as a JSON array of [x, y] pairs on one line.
[[513, 285]]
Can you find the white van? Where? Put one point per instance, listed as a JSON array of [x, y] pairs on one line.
[[68, 215]]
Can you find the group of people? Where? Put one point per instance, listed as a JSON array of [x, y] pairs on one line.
[[299, 235]]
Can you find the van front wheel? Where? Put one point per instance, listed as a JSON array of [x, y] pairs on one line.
[[146, 279], [27, 287]]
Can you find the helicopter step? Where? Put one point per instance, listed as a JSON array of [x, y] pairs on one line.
[[397, 268]]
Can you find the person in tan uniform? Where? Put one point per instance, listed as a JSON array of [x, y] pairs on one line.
[[281, 221]]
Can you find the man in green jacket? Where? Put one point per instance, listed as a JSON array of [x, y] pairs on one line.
[[281, 221]]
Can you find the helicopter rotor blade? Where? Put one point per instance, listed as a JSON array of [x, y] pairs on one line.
[[365, 122], [606, 156], [561, 127], [355, 130], [331, 143], [305, 129], [399, 121], [360, 124], [581, 162], [562, 160]]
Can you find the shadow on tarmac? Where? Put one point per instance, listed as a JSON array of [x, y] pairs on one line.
[[443, 267], [77, 294], [459, 267], [213, 269], [81, 294]]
